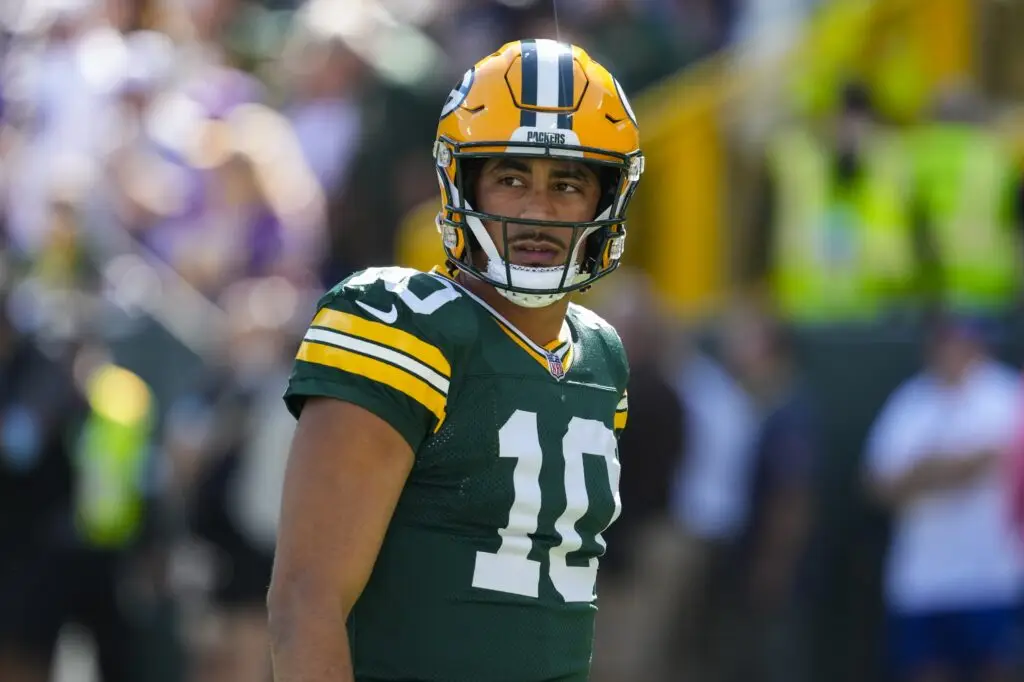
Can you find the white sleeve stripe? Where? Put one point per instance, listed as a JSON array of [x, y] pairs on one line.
[[623, 404], [373, 350]]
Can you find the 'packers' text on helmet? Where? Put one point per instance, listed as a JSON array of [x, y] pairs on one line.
[[538, 97]]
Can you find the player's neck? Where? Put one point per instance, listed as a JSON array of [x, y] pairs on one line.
[[540, 325]]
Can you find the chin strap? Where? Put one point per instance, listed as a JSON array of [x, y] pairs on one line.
[[530, 300]]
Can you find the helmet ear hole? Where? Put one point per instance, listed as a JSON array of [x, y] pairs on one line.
[[469, 170], [593, 250], [472, 244], [609, 179]]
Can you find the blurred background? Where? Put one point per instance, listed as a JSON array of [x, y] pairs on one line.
[[821, 300]]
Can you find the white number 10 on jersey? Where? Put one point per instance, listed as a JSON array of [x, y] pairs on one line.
[[509, 569]]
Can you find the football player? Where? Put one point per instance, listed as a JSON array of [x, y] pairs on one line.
[[455, 460]]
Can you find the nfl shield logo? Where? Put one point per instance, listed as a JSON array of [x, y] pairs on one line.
[[555, 366]]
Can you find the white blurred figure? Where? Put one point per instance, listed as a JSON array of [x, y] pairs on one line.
[[955, 569], [86, 95], [768, 28], [324, 77], [63, 97], [146, 181], [710, 502], [262, 210], [711, 497]]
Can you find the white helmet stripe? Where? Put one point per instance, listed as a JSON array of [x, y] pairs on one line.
[[547, 82], [548, 52]]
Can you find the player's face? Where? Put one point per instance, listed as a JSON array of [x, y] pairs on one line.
[[536, 189]]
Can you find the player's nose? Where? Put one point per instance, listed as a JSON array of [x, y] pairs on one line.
[[538, 205]]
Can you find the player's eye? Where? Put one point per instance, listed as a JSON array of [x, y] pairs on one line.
[[567, 187], [511, 181]]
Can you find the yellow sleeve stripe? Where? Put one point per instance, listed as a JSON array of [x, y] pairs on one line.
[[375, 370], [620, 419], [378, 352], [385, 336]]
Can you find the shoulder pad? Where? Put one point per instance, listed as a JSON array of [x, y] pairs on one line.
[[408, 300], [588, 319], [378, 340], [391, 294]]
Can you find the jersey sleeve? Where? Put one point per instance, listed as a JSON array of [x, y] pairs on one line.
[[616, 361], [620, 365], [622, 413], [364, 346]]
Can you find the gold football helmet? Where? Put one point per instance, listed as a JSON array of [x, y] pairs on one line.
[[538, 97]]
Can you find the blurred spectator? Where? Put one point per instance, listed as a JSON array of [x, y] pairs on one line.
[[75, 493], [710, 503], [324, 78], [835, 243], [201, 27], [226, 440], [955, 570], [969, 199], [256, 209], [1016, 466], [40, 408], [235, 167], [51, 82], [59, 265], [635, 618], [699, 27], [393, 176], [635, 43], [105, 574], [145, 181], [769, 562]]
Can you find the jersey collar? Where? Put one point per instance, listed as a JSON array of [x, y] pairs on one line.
[[557, 357]]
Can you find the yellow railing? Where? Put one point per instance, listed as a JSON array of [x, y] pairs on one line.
[[679, 220]]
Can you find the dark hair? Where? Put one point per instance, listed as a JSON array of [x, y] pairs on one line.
[[946, 325]]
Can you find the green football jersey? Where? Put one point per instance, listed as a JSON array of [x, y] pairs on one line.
[[487, 572]]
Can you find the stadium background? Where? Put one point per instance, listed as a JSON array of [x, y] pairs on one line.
[[180, 180]]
